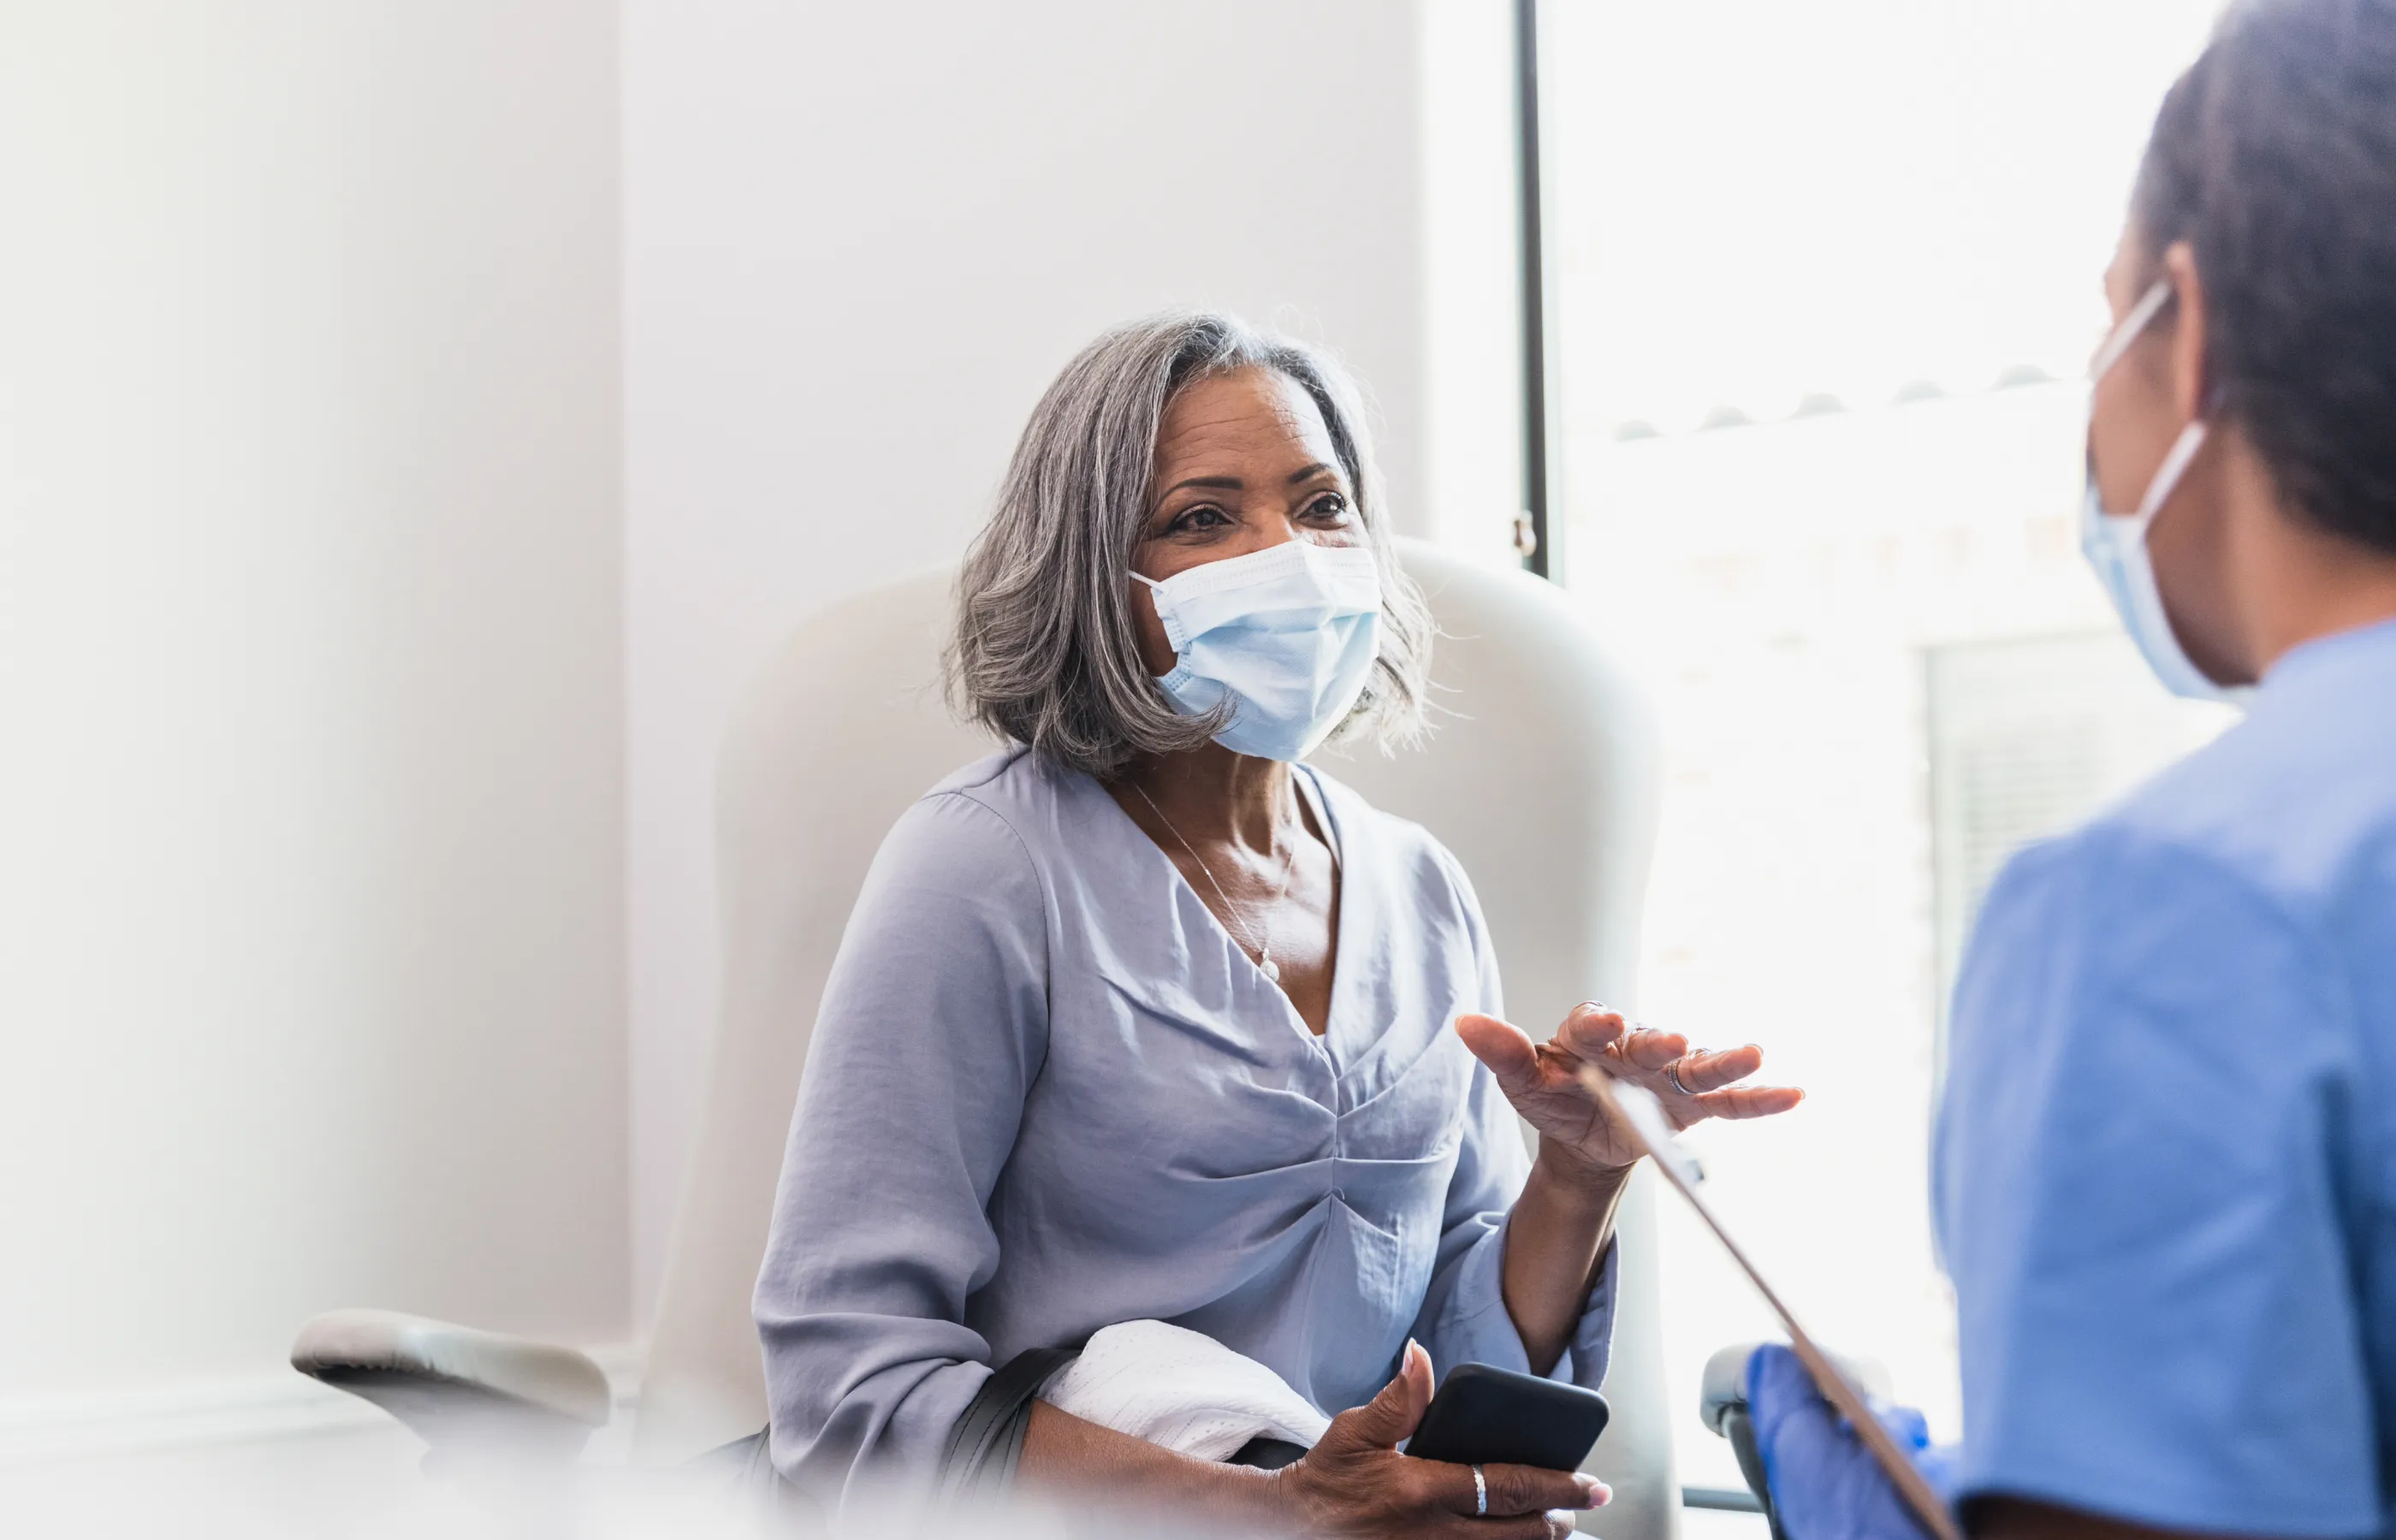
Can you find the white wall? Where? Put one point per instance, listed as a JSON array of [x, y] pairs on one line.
[[860, 239], [351, 657], [311, 721]]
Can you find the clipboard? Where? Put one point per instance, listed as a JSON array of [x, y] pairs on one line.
[[1638, 1110]]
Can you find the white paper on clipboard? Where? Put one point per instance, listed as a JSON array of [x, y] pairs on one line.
[[1645, 1117]]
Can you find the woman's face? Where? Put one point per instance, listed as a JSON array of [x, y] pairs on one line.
[[1243, 462]]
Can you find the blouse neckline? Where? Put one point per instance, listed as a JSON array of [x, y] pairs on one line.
[[1328, 1044]]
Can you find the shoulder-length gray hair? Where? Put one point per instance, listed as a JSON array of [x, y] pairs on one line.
[[1046, 652]]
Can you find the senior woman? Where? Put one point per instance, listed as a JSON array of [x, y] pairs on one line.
[[1141, 1018]]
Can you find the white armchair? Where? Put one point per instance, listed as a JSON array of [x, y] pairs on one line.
[[1541, 777]]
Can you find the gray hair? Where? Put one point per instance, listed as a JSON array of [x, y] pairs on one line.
[[1045, 651]]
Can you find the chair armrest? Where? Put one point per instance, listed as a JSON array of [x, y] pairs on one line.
[[1721, 1406], [454, 1384], [1723, 1388]]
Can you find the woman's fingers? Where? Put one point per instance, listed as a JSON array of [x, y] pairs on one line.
[[1590, 1030], [1749, 1101], [1594, 1034], [1703, 1071], [1391, 1417], [1506, 1048], [1647, 1049], [1522, 1526], [1518, 1490]]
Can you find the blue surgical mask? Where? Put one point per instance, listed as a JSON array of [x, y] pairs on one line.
[[2115, 544], [1287, 634]]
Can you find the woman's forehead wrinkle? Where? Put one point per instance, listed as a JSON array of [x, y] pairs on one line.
[[1282, 420], [1300, 418]]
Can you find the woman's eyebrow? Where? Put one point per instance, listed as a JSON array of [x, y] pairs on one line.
[[1233, 483], [1227, 484]]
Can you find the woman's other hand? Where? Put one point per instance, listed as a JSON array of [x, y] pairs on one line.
[[1543, 1081], [1355, 1482]]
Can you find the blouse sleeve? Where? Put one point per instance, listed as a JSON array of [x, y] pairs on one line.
[[1464, 1318], [933, 1025]]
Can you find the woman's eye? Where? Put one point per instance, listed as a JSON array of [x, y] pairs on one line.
[[1204, 516], [1330, 507]]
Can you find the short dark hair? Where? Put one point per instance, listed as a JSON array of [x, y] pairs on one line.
[[2274, 157]]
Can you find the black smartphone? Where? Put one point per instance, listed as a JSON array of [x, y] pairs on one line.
[[1494, 1416]]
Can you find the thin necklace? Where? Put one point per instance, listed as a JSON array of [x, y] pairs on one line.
[[1263, 946]]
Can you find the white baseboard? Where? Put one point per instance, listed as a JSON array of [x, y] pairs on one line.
[[252, 1408], [236, 1410]]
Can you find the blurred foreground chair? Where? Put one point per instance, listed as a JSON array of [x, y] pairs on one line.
[[1541, 776]]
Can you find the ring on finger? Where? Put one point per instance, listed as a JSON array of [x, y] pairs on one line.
[[1673, 1072], [1480, 1494]]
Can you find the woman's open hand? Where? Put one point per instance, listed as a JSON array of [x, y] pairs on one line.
[[1543, 1081], [1354, 1481]]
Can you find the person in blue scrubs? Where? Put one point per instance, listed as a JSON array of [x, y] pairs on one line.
[[2166, 1163]]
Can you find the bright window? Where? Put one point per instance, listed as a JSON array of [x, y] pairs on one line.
[[1826, 277]]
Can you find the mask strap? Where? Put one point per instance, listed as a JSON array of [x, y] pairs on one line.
[[1143, 578], [2156, 296], [2168, 474]]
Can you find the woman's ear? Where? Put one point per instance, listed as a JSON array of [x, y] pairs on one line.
[[2189, 331]]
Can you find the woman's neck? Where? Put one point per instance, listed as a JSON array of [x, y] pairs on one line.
[[1214, 796]]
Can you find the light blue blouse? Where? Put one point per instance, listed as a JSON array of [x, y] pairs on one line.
[[1048, 1092]]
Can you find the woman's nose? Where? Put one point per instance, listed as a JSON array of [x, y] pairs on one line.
[[1288, 526], [1262, 533]]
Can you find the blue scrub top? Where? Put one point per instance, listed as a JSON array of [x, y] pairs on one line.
[[2166, 1164]]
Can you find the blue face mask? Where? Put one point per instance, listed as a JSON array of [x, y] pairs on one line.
[[2115, 544], [1287, 634]]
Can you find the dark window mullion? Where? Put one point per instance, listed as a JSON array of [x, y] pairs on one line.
[[1531, 530]]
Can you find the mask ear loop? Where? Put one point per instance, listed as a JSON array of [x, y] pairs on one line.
[[2184, 448], [2108, 353], [2175, 460], [2157, 295], [2168, 474], [1171, 622]]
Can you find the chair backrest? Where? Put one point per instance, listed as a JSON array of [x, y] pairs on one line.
[[1541, 777]]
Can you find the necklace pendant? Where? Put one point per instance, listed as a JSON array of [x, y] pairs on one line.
[[1271, 969]]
